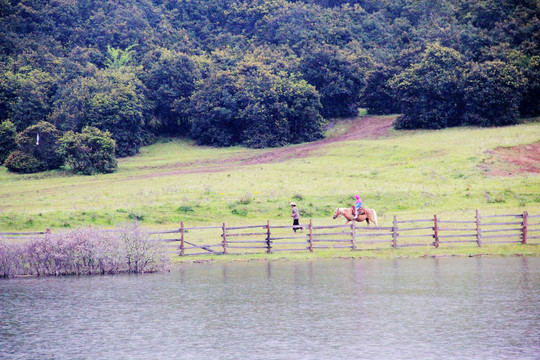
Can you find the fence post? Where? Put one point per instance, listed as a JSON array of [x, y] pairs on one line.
[[478, 231], [224, 241], [181, 238], [353, 234], [268, 242], [524, 228], [436, 231], [310, 235], [394, 233]]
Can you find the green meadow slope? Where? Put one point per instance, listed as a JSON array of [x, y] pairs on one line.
[[450, 172]]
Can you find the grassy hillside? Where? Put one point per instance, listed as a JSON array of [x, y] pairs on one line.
[[408, 173]]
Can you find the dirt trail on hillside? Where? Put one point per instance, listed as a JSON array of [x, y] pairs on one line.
[[507, 161], [368, 127]]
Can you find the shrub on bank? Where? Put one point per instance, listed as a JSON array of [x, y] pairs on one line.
[[21, 162], [82, 251]]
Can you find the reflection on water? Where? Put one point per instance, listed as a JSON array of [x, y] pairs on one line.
[[466, 308]]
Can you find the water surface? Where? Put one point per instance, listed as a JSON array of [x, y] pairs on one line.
[[458, 308]]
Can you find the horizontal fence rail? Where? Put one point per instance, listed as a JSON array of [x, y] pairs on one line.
[[435, 232]]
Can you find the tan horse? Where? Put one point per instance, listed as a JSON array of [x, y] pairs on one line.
[[368, 215]]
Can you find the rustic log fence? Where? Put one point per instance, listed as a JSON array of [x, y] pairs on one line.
[[431, 232]]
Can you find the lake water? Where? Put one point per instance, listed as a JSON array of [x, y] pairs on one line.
[[446, 308]]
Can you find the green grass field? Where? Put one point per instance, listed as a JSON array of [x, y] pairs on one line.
[[407, 173]]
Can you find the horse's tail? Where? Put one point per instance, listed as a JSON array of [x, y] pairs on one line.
[[375, 217]]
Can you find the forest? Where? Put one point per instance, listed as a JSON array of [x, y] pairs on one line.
[[83, 82]]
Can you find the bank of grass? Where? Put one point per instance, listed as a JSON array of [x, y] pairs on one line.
[[387, 253], [410, 174]]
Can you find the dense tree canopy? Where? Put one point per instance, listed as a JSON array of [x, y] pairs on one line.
[[8, 134], [253, 106], [430, 91], [264, 72]]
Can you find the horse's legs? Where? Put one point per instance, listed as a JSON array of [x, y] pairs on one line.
[[346, 222]]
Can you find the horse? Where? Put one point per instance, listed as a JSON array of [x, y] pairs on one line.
[[368, 215]]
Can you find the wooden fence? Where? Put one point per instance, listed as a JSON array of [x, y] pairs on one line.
[[436, 232]]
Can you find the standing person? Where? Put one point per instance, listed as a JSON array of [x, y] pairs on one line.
[[296, 217], [358, 210]]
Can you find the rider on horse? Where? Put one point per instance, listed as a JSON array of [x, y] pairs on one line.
[[358, 209]]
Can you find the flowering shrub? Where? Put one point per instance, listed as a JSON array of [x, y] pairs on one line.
[[10, 261], [83, 251]]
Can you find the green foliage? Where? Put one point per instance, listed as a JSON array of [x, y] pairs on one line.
[[74, 63], [338, 75], [492, 94], [530, 105], [39, 142], [8, 88], [89, 152], [171, 78], [21, 162], [430, 91], [377, 96], [254, 106], [185, 209], [32, 101], [119, 58], [7, 139], [114, 100], [139, 215], [443, 90], [120, 107]]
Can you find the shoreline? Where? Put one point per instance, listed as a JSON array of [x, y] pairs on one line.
[[176, 265], [529, 251]]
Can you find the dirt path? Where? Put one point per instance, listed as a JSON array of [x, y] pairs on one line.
[[508, 161], [368, 127], [505, 161]]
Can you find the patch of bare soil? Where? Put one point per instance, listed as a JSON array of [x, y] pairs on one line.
[[368, 127], [507, 161]]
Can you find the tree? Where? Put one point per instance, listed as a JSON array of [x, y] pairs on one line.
[[119, 58], [114, 100], [89, 152], [213, 111], [303, 109], [8, 93], [7, 139], [72, 106], [255, 106], [338, 75], [32, 103], [530, 104], [377, 96], [492, 93], [171, 79], [37, 146], [120, 107], [429, 92]]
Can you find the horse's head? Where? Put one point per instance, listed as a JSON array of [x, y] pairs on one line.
[[336, 213]]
